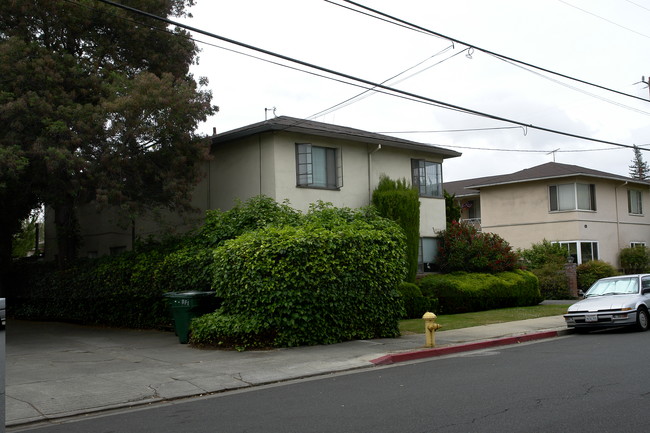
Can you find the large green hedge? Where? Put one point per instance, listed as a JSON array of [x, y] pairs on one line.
[[415, 305], [117, 291], [463, 292], [127, 290], [331, 278]]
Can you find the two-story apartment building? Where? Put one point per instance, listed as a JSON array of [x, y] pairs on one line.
[[593, 213], [296, 160]]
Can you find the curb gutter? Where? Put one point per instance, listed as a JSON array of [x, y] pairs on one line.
[[448, 350]]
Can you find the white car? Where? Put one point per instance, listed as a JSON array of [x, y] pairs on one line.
[[613, 301]]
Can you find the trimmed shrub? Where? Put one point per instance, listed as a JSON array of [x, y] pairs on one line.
[[553, 282], [462, 292], [547, 261], [590, 272], [415, 305], [335, 274], [112, 291], [464, 249], [398, 201], [635, 260]]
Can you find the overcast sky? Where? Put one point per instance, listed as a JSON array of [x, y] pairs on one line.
[[605, 42]]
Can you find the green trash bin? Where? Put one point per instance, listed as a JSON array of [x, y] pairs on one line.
[[185, 306]]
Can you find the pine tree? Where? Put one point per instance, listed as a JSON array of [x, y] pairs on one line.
[[639, 168]]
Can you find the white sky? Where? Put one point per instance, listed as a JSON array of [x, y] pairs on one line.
[[605, 42]]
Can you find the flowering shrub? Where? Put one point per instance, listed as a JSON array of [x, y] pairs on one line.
[[463, 248]]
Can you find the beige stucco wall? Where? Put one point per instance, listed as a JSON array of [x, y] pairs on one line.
[[262, 164], [520, 214], [362, 165]]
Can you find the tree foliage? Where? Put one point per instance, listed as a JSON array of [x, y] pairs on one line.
[[639, 168], [547, 261], [463, 248], [398, 201], [543, 253], [98, 107]]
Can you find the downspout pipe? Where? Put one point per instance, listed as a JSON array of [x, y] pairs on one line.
[[618, 221], [375, 150]]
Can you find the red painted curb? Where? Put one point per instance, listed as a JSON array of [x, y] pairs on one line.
[[439, 351]]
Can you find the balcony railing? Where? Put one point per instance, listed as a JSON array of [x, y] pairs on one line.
[[475, 222]]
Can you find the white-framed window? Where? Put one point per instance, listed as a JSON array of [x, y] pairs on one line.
[[581, 251], [318, 167], [114, 251], [427, 177], [634, 202], [572, 196], [427, 254], [637, 244]]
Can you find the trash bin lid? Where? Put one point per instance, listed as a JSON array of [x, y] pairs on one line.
[[189, 294]]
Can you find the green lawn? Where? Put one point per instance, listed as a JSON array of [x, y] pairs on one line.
[[466, 320]]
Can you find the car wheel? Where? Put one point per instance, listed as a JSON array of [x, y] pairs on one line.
[[642, 321]]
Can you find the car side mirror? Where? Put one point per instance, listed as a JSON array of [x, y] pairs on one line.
[[581, 293]]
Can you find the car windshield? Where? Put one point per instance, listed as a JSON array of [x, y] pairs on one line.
[[619, 286]]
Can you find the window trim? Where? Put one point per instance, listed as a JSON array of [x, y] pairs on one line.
[[554, 197], [305, 167], [639, 196], [418, 172], [578, 256], [427, 266]]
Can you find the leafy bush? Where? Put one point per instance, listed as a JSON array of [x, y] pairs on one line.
[[553, 282], [635, 260], [544, 253], [415, 305], [590, 272], [464, 292], [398, 201], [113, 291], [547, 261], [329, 279], [463, 248], [254, 213]]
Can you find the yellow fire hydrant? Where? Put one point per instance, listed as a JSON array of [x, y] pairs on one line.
[[430, 327]]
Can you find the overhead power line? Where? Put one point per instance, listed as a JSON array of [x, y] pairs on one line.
[[397, 21], [392, 91]]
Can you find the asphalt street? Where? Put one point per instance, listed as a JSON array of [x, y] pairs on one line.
[[581, 383]]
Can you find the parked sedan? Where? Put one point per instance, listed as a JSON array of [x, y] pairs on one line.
[[613, 301]]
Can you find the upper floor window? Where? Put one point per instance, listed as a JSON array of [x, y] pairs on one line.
[[318, 167], [572, 196], [637, 244], [634, 204], [427, 177]]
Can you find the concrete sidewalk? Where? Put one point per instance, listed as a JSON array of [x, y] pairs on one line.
[[58, 370]]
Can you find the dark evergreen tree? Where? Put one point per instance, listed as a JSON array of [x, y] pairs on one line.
[[97, 105], [398, 201], [639, 168]]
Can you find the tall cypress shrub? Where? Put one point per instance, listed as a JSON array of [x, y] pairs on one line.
[[398, 201]]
